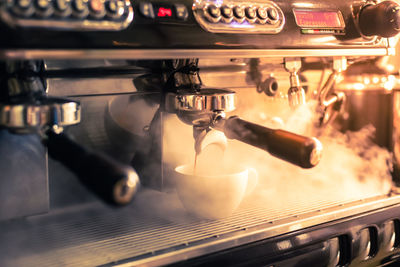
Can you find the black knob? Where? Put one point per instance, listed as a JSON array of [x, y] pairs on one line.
[[382, 19], [269, 86]]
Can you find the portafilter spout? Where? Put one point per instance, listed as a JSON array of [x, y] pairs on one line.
[[205, 109]]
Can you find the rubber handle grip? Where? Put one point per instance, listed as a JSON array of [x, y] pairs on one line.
[[113, 182], [297, 149]]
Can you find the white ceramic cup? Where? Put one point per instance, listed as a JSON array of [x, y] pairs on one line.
[[214, 196]]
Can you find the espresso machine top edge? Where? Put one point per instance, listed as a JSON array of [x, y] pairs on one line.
[[76, 54], [188, 29]]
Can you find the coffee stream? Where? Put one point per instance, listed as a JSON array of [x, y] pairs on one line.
[[210, 161], [195, 162]]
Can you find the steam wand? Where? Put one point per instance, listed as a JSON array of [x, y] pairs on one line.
[[330, 103], [296, 94]]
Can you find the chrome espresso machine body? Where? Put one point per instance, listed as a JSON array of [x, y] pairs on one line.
[[101, 100]]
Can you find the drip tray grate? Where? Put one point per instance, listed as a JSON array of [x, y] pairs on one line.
[[156, 229]]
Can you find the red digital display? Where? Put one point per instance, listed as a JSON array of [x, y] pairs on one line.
[[318, 19], [164, 12]]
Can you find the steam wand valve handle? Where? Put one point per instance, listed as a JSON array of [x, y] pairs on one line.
[[382, 19], [110, 180], [299, 150]]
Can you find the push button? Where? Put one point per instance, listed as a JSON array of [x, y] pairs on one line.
[[238, 12], [250, 13], [80, 8], [97, 9], [272, 14], [115, 8], [181, 12], [146, 9], [262, 13], [62, 8], [226, 12], [214, 11], [44, 8], [43, 4], [24, 4], [23, 8]]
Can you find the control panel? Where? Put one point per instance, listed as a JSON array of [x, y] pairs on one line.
[[239, 16], [199, 25], [68, 14]]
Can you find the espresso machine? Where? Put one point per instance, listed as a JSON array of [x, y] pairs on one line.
[[101, 100]]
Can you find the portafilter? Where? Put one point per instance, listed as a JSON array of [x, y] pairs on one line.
[[205, 109], [113, 182]]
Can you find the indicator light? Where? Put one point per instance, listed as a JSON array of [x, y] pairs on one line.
[[164, 12]]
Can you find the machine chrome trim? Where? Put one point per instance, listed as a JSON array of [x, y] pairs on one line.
[[52, 111], [67, 54], [201, 101], [278, 227], [82, 25]]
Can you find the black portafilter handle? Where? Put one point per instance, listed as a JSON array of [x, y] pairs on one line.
[[113, 182], [299, 150]]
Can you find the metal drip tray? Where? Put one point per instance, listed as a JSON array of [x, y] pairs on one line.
[[156, 230]]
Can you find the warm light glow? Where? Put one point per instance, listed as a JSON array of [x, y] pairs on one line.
[[390, 68], [324, 39], [244, 24], [390, 83], [358, 86], [303, 5], [284, 245]]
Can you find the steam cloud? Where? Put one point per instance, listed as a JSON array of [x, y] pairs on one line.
[[352, 166]]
